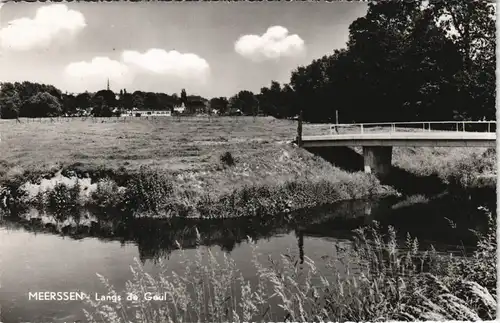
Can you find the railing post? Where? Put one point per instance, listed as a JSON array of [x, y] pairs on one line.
[[299, 130], [463, 126], [457, 126], [429, 124], [361, 128], [489, 126]]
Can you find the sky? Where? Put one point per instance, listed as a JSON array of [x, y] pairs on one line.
[[210, 49]]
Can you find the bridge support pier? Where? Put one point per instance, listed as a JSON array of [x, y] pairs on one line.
[[377, 160]]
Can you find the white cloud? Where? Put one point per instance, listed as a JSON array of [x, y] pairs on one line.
[[49, 23], [172, 63], [93, 75], [275, 43], [97, 67]]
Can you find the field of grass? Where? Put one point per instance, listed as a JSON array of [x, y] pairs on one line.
[[189, 153], [192, 143]]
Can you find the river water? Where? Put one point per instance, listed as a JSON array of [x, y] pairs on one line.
[[59, 253]]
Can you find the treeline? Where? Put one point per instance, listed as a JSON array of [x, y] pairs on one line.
[[404, 60], [35, 100]]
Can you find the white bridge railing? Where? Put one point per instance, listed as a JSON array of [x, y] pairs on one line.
[[463, 126]]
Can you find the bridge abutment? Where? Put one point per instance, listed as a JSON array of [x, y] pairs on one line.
[[377, 160]]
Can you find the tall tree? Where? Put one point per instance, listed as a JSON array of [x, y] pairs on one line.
[[108, 96], [277, 100], [101, 107], [43, 104], [10, 101], [127, 101], [471, 27], [220, 104], [84, 101], [244, 101], [69, 104], [138, 99], [151, 101], [184, 97]]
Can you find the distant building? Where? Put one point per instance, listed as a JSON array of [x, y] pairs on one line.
[[147, 113], [180, 109], [198, 106]]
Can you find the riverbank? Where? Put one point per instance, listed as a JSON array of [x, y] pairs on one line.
[[219, 167], [277, 179]]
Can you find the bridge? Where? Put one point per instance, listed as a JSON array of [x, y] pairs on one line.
[[377, 139]]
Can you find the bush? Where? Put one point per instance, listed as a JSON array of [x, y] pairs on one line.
[[149, 191], [227, 159], [107, 195], [464, 175], [62, 197]]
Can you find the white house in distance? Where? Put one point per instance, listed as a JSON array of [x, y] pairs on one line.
[[147, 113], [180, 108]]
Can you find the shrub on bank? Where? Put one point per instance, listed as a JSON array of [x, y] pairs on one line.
[[261, 200], [107, 195], [151, 193], [466, 172], [63, 197]]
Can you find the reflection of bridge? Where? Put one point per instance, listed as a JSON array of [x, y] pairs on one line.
[[377, 139]]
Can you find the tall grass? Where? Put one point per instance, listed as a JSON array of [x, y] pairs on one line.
[[403, 283], [382, 281], [212, 290]]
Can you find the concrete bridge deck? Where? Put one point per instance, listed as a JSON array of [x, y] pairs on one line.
[[404, 139], [377, 139]]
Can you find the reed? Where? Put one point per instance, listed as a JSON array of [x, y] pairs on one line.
[[382, 281]]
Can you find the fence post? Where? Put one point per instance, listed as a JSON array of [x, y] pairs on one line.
[[299, 130], [463, 126], [361, 128], [489, 124]]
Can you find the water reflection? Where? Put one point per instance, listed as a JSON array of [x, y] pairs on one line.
[[38, 256], [157, 238]]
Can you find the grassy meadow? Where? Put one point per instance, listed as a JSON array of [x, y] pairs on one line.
[[191, 162]]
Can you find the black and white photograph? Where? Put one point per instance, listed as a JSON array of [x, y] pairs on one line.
[[248, 161]]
